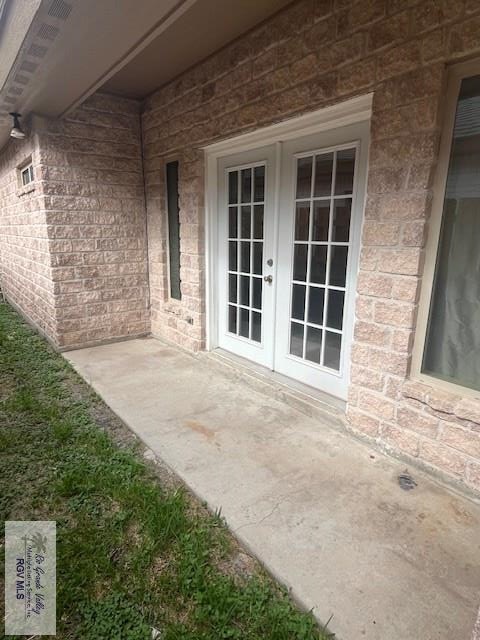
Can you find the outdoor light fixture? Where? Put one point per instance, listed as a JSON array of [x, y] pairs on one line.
[[16, 131]]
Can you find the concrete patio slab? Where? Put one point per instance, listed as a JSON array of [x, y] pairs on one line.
[[323, 512]]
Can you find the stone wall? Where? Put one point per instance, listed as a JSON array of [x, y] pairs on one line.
[[312, 54], [90, 164], [25, 270]]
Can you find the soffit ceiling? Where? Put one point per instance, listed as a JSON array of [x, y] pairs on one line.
[[204, 28], [75, 47]]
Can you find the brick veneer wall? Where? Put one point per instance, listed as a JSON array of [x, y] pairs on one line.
[[312, 54], [92, 178], [25, 271]]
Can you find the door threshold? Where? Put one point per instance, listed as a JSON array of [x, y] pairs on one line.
[[308, 400]]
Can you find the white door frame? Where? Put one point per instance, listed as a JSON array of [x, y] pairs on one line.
[[356, 109]]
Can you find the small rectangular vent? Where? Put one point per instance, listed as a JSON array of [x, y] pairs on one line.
[[19, 79], [37, 50], [28, 66], [59, 9], [48, 32]]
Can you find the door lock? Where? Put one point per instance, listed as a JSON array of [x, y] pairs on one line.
[[270, 262], [268, 279]]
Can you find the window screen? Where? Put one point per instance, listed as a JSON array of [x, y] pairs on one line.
[[452, 349], [173, 229]]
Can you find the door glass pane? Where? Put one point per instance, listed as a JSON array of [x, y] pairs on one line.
[[257, 293], [256, 326], [452, 347], [232, 222], [302, 216], [232, 319], [318, 263], [298, 301], [233, 187], [315, 305], [321, 215], [341, 220], [338, 266], [259, 184], [258, 221], [344, 172], [296, 339], [232, 256], [314, 344], [335, 309], [245, 256], [333, 345], [300, 262], [245, 290], [323, 175], [304, 177], [232, 287], [257, 258], [246, 217], [244, 328], [246, 185]]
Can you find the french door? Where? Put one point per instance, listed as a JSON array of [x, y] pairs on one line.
[[289, 220], [246, 234]]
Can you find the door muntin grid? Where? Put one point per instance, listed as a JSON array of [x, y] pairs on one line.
[[246, 213], [324, 182]]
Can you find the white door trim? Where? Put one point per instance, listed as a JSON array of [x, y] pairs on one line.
[[356, 109]]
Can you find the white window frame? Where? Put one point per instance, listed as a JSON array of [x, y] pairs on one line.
[[454, 79], [26, 169], [169, 297]]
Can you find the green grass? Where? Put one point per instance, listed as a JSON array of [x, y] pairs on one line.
[[133, 551]]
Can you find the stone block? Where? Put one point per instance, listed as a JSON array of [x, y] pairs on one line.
[[381, 234], [375, 284], [401, 439], [465, 37], [473, 479], [376, 404], [388, 361], [463, 440], [362, 422], [401, 261], [468, 409], [442, 457], [421, 423], [370, 333], [394, 314]]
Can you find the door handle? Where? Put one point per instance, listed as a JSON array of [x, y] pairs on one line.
[[268, 279]]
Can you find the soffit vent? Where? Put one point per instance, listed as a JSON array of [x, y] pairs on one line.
[[48, 32], [37, 50], [19, 79], [28, 66], [59, 9]]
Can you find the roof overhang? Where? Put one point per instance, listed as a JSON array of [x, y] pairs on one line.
[[55, 53]]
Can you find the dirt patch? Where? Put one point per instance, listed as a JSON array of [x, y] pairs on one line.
[[194, 425]]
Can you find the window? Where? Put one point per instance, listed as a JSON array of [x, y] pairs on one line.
[[451, 350], [26, 174], [173, 230]]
